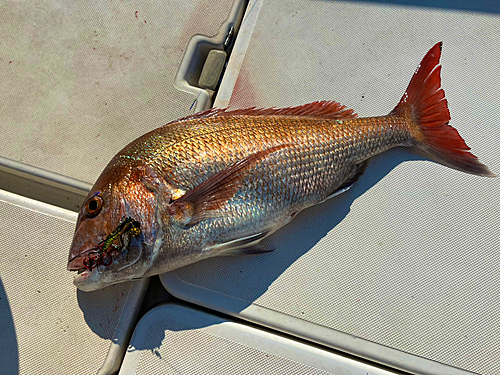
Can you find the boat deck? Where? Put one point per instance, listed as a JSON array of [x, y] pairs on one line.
[[398, 275]]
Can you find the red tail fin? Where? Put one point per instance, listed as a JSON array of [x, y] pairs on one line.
[[425, 103]]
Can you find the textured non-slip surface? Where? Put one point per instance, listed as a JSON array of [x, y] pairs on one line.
[[80, 79], [172, 339], [48, 327], [409, 258], [197, 352]]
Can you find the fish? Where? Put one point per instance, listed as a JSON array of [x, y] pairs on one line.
[[220, 181]]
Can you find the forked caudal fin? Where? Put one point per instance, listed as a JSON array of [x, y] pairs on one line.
[[425, 104]]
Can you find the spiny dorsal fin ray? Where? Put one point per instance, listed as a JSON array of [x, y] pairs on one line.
[[325, 109]]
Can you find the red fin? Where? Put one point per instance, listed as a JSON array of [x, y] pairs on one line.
[[201, 202], [324, 109], [425, 102]]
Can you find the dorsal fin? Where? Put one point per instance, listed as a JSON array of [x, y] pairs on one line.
[[325, 109]]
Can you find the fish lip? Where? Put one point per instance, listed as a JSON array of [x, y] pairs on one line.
[[88, 281], [83, 275], [76, 263]]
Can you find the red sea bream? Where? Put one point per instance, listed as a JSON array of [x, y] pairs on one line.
[[220, 181]]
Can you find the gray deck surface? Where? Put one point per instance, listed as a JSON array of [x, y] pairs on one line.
[[48, 327], [173, 339], [80, 80]]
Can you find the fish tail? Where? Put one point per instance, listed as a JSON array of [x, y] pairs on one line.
[[425, 106]]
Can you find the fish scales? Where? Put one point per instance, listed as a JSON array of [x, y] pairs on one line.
[[218, 182], [320, 155], [192, 157]]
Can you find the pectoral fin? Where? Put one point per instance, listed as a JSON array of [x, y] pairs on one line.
[[205, 200]]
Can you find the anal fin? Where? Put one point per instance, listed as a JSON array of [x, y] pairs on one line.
[[351, 180], [244, 245], [252, 250]]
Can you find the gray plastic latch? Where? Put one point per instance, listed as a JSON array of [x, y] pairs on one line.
[[212, 69]]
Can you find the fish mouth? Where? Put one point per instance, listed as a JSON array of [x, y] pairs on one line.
[[76, 264], [84, 273], [79, 263], [93, 258], [108, 250], [87, 280]]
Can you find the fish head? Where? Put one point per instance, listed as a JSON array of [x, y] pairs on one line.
[[115, 231]]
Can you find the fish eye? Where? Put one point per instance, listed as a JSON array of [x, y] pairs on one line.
[[94, 206]]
